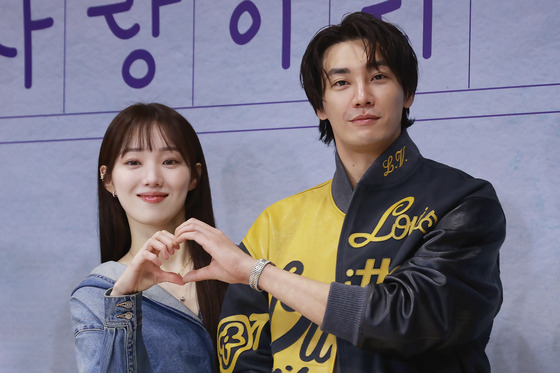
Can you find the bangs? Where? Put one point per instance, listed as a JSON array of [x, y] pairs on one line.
[[375, 55], [139, 136], [142, 127]]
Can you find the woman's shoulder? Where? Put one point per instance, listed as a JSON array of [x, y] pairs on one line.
[[111, 270], [101, 277]]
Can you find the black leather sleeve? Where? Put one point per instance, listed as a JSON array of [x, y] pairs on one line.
[[447, 293], [244, 330]]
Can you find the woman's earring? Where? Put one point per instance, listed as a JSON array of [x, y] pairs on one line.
[[114, 196], [102, 175]]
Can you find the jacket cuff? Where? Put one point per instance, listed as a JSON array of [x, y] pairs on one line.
[[344, 311], [123, 309]]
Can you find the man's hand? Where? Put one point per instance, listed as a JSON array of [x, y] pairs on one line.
[[229, 263]]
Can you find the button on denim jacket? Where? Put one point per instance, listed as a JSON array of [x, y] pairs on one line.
[[145, 332]]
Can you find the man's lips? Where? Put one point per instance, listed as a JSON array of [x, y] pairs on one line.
[[364, 119], [152, 197]]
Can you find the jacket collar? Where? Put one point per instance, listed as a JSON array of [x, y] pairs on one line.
[[393, 166]]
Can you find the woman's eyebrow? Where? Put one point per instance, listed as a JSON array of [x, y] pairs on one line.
[[128, 150], [169, 149], [139, 149]]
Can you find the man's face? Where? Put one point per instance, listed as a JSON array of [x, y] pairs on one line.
[[363, 104]]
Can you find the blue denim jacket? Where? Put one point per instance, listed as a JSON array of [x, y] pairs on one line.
[[145, 332]]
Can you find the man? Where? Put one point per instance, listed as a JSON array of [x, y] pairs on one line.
[[391, 266]]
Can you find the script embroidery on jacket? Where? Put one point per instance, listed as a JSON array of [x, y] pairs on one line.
[[238, 334], [401, 224], [399, 158]]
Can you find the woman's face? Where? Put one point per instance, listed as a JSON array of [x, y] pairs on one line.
[[152, 186]]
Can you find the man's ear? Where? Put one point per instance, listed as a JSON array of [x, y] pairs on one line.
[[408, 102], [195, 176], [106, 179], [321, 115]]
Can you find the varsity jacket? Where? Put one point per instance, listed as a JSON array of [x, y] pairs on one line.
[[412, 257]]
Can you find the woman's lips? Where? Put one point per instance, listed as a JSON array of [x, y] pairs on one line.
[[153, 197]]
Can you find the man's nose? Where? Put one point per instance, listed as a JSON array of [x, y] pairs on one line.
[[363, 95]]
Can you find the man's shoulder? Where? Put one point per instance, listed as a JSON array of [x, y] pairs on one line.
[[299, 203], [458, 182], [443, 167], [313, 194], [450, 173]]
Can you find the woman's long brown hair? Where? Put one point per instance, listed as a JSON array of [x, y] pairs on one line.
[[136, 123]]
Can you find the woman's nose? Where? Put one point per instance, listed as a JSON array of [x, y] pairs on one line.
[[152, 177]]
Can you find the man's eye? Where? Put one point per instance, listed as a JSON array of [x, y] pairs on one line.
[[341, 83]]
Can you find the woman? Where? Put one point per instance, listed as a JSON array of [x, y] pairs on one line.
[[152, 177]]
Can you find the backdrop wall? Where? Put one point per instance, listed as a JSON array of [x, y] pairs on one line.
[[487, 103]]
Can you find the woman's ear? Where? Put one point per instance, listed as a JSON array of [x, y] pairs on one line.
[[105, 179], [195, 176]]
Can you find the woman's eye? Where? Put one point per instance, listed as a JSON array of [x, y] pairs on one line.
[[132, 162], [170, 162], [378, 77]]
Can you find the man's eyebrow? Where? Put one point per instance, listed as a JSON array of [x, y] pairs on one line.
[[345, 70], [338, 70], [377, 63]]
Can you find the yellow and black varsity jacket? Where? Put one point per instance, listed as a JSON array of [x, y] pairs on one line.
[[412, 257]]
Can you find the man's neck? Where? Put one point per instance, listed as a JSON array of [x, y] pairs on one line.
[[356, 164]]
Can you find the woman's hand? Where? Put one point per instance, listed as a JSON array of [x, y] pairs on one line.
[[145, 269], [229, 263]]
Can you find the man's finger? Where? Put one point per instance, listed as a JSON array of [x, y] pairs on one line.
[[198, 275]]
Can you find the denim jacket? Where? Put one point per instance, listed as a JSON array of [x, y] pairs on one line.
[[144, 332]]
